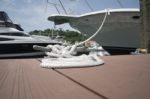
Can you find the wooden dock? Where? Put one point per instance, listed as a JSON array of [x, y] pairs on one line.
[[121, 77]]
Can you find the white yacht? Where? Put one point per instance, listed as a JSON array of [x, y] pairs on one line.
[[120, 33], [17, 43], [14, 42]]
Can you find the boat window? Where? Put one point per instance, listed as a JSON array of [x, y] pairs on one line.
[[1, 16], [15, 34], [136, 17], [5, 39], [7, 18]]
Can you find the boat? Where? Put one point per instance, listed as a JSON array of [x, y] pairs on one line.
[[15, 42], [120, 33]]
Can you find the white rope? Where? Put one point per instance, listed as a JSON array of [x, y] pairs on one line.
[[98, 30], [70, 50], [61, 57]]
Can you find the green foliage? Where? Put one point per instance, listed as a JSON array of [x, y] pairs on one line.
[[68, 35]]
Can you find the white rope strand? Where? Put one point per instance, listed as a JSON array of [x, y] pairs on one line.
[[98, 30]]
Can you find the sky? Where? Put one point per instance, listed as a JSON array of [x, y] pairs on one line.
[[33, 14]]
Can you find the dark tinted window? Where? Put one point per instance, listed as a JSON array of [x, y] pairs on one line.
[[136, 17], [15, 34], [1, 16], [4, 17], [5, 39]]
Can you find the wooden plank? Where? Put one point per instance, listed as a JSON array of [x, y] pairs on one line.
[[25, 79], [121, 77]]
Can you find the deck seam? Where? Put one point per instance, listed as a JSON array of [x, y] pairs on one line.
[[5, 74], [78, 83], [81, 85], [12, 91]]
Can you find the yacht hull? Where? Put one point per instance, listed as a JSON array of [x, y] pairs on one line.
[[121, 29], [120, 32]]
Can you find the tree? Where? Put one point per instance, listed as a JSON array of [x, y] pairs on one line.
[[71, 36]]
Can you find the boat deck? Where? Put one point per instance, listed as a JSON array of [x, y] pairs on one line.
[[121, 77]]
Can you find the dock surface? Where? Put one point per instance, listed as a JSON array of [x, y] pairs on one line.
[[121, 77]]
